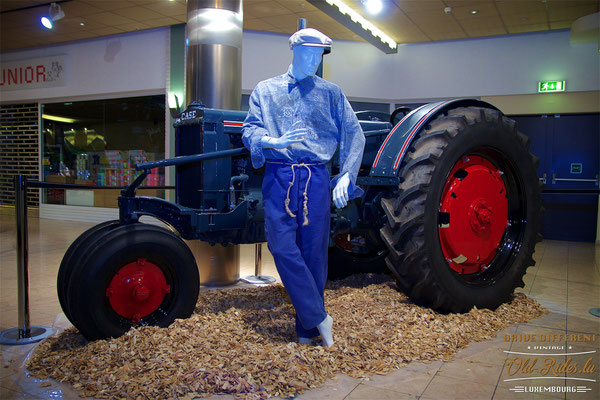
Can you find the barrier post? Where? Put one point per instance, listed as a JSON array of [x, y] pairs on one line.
[[24, 333], [257, 278], [22, 255]]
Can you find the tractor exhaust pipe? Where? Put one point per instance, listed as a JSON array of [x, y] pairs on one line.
[[214, 53]]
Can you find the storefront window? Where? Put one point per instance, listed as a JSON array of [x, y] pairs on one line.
[[98, 143]]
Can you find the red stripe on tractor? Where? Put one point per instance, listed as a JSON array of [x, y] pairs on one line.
[[232, 123], [413, 132], [386, 140]]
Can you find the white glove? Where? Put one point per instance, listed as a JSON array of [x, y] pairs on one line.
[[289, 138], [340, 192]]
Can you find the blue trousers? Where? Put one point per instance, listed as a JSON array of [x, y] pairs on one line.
[[299, 249]]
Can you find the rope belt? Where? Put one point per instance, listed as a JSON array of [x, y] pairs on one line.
[[287, 197]]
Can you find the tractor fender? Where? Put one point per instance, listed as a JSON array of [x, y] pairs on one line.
[[395, 146]]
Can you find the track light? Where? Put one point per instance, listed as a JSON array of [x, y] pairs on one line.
[[55, 13], [352, 20], [374, 7]]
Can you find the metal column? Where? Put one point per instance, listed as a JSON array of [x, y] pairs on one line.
[[214, 53]]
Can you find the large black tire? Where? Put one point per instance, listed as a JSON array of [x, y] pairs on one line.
[[356, 252], [71, 260], [462, 226], [133, 275]]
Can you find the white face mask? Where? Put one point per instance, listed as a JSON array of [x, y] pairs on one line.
[[306, 61]]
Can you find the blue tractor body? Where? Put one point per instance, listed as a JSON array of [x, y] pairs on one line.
[[451, 208], [218, 192]]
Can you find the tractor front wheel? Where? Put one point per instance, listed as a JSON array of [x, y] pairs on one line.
[[462, 225], [134, 275]]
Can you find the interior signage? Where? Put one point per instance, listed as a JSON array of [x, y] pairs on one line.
[[34, 73], [551, 86]]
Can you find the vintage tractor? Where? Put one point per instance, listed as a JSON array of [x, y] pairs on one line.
[[451, 207]]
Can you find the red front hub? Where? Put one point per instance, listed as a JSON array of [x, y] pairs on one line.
[[473, 214], [137, 290]]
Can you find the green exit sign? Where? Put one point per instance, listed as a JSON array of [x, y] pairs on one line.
[[551, 86]]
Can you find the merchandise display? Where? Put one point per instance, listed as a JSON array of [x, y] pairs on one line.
[[98, 143]]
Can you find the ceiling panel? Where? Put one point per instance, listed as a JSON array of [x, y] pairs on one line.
[[108, 5], [297, 6], [447, 35], [560, 24], [527, 28], [482, 24], [109, 18], [266, 8], [138, 13], [411, 6], [109, 30], [404, 20], [525, 19], [258, 24], [163, 21], [560, 11], [76, 9], [521, 6], [467, 3], [483, 10], [137, 26], [488, 31], [168, 8]]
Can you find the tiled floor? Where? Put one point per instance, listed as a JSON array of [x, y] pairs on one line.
[[565, 280]]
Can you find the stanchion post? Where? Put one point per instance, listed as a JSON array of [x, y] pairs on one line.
[[257, 278], [258, 259], [24, 333], [22, 255]]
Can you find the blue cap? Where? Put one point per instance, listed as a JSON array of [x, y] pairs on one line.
[[312, 38]]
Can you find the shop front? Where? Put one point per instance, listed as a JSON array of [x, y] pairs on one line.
[[98, 143]]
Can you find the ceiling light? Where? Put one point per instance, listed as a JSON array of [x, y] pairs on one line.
[[373, 6], [474, 12], [352, 20], [55, 13], [58, 119], [82, 23]]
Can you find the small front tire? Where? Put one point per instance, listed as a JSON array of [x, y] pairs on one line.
[[136, 275]]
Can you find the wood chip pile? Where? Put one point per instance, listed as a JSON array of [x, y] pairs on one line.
[[241, 341]]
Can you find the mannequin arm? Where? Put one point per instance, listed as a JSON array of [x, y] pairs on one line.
[[340, 192]]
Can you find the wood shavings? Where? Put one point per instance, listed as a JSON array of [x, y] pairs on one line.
[[242, 342]]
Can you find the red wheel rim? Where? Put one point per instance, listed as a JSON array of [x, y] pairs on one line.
[[473, 214], [137, 290]]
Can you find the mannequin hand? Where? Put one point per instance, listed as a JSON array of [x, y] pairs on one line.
[[340, 192], [289, 138]]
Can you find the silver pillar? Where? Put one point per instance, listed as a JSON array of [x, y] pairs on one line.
[[214, 53]]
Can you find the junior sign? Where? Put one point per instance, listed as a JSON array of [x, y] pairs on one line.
[[33, 73]]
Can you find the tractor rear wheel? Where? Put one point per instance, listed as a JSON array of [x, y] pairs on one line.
[[462, 226], [134, 275]]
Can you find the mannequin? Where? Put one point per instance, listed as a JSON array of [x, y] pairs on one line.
[[295, 124]]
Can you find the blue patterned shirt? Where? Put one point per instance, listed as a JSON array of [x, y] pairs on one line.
[[315, 104]]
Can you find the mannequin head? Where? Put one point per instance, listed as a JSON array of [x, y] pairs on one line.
[[308, 46], [306, 61]]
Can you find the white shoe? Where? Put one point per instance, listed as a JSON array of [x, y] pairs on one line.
[[325, 329]]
